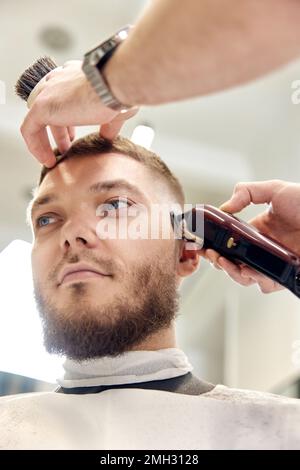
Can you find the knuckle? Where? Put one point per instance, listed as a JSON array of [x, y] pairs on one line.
[[277, 181], [265, 290], [239, 186], [40, 101]]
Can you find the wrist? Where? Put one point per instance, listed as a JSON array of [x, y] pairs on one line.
[[93, 67], [94, 103], [116, 74]]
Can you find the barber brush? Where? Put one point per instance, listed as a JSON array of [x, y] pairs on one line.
[[32, 76]]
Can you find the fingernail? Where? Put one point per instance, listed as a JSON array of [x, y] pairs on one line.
[[228, 203], [49, 163], [222, 206]]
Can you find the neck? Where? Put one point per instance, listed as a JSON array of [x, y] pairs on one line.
[[163, 339]]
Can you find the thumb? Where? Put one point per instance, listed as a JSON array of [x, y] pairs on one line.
[[111, 130], [232, 205]]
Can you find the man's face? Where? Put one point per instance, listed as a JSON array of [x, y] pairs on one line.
[[133, 294]]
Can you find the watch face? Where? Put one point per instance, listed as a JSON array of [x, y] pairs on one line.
[[98, 53], [108, 45], [104, 58]]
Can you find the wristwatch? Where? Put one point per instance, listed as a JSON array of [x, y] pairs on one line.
[[93, 63]]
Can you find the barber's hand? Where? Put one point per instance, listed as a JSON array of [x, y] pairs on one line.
[[281, 221], [63, 99]]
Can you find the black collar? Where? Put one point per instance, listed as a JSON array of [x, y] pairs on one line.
[[187, 384]]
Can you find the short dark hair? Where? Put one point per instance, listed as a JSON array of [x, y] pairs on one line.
[[93, 144]]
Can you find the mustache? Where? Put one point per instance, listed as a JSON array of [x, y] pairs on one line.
[[103, 264]]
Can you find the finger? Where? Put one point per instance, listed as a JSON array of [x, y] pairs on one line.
[[268, 287], [130, 113], [266, 284], [111, 130], [37, 140], [213, 257], [61, 137], [234, 271], [253, 192], [72, 133]]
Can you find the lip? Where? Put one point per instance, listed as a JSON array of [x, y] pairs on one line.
[[79, 271]]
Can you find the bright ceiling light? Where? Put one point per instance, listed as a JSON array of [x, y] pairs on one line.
[[143, 135]]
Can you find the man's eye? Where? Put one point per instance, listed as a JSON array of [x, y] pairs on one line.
[[112, 206], [114, 203], [42, 221]]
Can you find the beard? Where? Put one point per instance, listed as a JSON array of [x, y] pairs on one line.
[[82, 331]]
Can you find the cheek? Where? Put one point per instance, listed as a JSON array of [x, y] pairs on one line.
[[133, 252], [42, 260]]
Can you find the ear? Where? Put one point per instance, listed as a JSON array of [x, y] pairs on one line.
[[189, 258]]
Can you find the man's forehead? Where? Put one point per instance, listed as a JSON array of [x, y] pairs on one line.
[[83, 170], [113, 173]]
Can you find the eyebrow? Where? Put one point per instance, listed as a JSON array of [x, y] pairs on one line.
[[96, 188]]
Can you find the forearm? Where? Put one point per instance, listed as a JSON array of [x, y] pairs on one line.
[[180, 49]]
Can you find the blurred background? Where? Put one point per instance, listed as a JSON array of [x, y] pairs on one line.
[[232, 335]]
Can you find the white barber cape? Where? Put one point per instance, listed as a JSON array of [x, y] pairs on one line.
[[78, 417]]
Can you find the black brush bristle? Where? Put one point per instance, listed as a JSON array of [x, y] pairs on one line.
[[30, 78]]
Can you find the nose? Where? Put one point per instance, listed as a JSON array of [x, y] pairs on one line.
[[78, 232]]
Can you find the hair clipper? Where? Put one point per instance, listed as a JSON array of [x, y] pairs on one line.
[[240, 243]]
